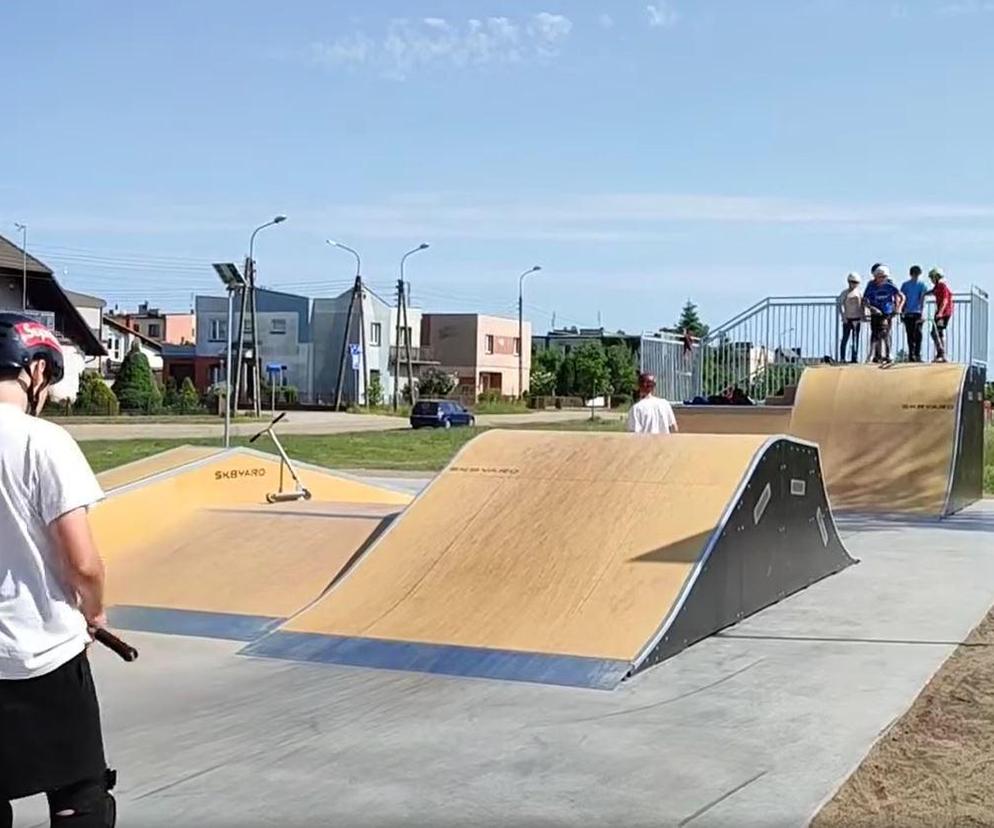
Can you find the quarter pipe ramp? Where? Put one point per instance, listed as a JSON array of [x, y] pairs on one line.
[[576, 559]]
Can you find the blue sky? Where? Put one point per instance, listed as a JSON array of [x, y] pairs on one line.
[[640, 153]]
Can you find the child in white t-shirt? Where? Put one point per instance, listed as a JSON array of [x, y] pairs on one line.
[[651, 414]]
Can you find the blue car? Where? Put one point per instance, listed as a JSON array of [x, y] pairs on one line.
[[440, 414]]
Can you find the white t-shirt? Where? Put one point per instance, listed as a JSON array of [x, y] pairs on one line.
[[43, 475], [651, 415]]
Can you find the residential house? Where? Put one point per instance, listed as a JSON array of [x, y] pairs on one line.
[[482, 351], [567, 339], [119, 339], [175, 328], [91, 308], [284, 340], [46, 301], [381, 347]]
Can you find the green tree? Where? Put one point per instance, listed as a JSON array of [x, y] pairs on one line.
[[545, 371], [170, 397], [95, 396], [135, 387], [566, 381], [690, 321], [593, 377], [187, 400], [622, 372], [435, 383]]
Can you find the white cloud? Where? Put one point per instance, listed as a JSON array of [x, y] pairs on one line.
[[605, 21], [408, 45], [662, 14]]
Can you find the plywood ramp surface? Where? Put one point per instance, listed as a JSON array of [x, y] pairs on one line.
[[887, 436], [257, 561], [565, 543], [154, 464], [728, 419], [135, 516]]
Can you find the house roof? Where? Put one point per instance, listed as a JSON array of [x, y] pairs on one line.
[[84, 300], [154, 344], [46, 294]]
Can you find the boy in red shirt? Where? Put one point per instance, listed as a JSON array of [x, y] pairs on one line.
[[943, 311]]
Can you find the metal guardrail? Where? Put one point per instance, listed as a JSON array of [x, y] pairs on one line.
[[764, 349]]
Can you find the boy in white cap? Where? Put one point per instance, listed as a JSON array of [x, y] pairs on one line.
[[883, 299], [850, 305]]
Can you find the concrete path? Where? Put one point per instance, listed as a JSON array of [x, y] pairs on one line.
[[296, 422], [756, 726]]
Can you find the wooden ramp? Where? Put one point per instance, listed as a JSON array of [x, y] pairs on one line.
[[907, 438], [733, 419], [576, 558], [196, 549], [152, 465]]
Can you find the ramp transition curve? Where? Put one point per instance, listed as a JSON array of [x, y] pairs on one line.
[[576, 559]]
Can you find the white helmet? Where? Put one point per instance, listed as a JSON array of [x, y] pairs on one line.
[[853, 277], [882, 270]]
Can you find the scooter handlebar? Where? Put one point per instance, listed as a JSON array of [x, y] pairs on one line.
[[278, 417]]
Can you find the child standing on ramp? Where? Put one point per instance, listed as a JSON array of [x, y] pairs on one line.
[[651, 414], [883, 300], [51, 596], [943, 311]]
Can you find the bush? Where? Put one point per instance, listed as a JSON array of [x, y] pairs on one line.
[[135, 387], [170, 397], [94, 397], [289, 394], [374, 394], [435, 383], [187, 400]]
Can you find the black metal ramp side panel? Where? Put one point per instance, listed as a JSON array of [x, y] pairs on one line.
[[764, 553], [968, 468]]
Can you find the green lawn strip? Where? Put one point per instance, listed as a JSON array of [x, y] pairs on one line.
[[408, 450]]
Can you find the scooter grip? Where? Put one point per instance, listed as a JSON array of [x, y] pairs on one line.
[[112, 642]]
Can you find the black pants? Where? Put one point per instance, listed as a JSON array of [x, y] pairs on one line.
[[50, 737], [850, 332], [880, 337], [913, 328], [939, 325]]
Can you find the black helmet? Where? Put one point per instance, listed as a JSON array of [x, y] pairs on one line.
[[24, 340]]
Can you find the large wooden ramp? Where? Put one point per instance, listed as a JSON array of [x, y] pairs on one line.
[[907, 438], [576, 558], [733, 419], [196, 550]]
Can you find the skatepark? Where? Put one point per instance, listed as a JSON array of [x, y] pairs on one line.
[[709, 628]]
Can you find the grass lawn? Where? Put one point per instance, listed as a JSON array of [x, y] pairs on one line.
[[422, 450]]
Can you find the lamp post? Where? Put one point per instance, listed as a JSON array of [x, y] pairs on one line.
[[246, 295], [521, 330], [402, 296], [233, 280], [356, 297], [24, 264]]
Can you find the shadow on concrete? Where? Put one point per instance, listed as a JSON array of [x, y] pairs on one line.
[[982, 522]]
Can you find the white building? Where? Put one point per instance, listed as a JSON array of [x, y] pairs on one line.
[[119, 339]]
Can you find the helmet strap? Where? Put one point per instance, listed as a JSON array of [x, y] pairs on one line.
[[32, 396]]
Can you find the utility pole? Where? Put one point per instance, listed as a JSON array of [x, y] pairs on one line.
[[240, 342], [396, 347], [362, 346], [521, 330], [256, 358], [407, 349], [357, 287], [24, 264]]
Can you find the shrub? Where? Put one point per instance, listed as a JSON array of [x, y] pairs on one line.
[[94, 397], [374, 393], [135, 387], [187, 400]]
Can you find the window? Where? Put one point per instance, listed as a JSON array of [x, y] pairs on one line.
[[218, 330], [154, 330], [517, 346], [375, 333], [277, 327], [489, 343]]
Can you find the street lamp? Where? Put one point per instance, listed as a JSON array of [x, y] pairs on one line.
[[24, 264], [233, 280], [250, 279], [521, 330], [358, 261], [400, 295]]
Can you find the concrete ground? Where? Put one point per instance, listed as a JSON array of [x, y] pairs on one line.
[[296, 422], [753, 727]]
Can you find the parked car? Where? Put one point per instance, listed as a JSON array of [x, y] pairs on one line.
[[440, 414]]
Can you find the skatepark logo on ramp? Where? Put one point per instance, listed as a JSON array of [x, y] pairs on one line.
[[234, 474]]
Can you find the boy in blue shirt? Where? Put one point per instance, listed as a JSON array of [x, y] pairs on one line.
[[883, 300], [914, 307]]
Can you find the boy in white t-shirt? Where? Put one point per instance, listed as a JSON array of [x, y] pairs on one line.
[[651, 414], [51, 595]]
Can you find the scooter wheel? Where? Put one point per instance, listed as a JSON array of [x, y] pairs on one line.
[[307, 495]]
